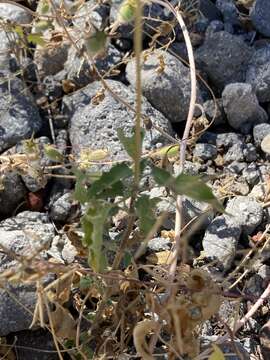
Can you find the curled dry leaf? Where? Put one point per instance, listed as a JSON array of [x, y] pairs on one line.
[[141, 330]]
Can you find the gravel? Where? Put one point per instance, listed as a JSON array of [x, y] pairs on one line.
[[205, 151]]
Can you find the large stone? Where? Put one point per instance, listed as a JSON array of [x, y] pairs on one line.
[[82, 73], [242, 107], [24, 235], [224, 57], [260, 15], [12, 194], [19, 117], [221, 239], [166, 88], [15, 13], [246, 212], [95, 126], [258, 73]]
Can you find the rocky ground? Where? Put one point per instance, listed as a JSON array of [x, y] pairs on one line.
[[52, 92]]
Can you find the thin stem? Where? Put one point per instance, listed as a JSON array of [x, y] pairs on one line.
[[138, 51]]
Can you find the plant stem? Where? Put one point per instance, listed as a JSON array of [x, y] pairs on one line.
[[138, 50]]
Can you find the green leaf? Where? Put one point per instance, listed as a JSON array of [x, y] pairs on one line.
[[86, 282], [161, 176], [217, 354], [93, 223], [144, 207], [81, 189], [53, 154], [36, 39], [96, 42], [109, 183], [189, 185], [19, 30], [195, 188], [129, 142]]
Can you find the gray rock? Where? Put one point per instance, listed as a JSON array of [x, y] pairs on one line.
[[79, 99], [260, 14], [214, 26], [63, 208], [191, 209], [15, 14], [159, 244], [236, 167], [33, 180], [211, 110], [229, 11], [259, 132], [50, 60], [19, 117], [24, 235], [234, 153], [205, 151], [251, 174], [258, 73], [246, 212], [229, 62], [62, 249], [12, 194], [35, 345], [221, 239], [239, 96], [15, 317], [209, 10], [250, 152], [81, 72], [208, 138], [92, 13], [169, 90], [26, 232], [226, 140], [95, 126]]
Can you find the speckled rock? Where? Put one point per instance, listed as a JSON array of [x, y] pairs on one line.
[[95, 126], [205, 151], [168, 90], [258, 73], [230, 61], [19, 117], [221, 239], [259, 132], [23, 235], [12, 194], [246, 212], [15, 13], [260, 14], [242, 107]]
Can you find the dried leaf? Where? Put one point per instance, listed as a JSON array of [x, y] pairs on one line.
[[63, 323], [141, 330], [160, 258]]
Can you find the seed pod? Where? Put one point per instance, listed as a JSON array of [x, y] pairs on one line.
[[127, 11]]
